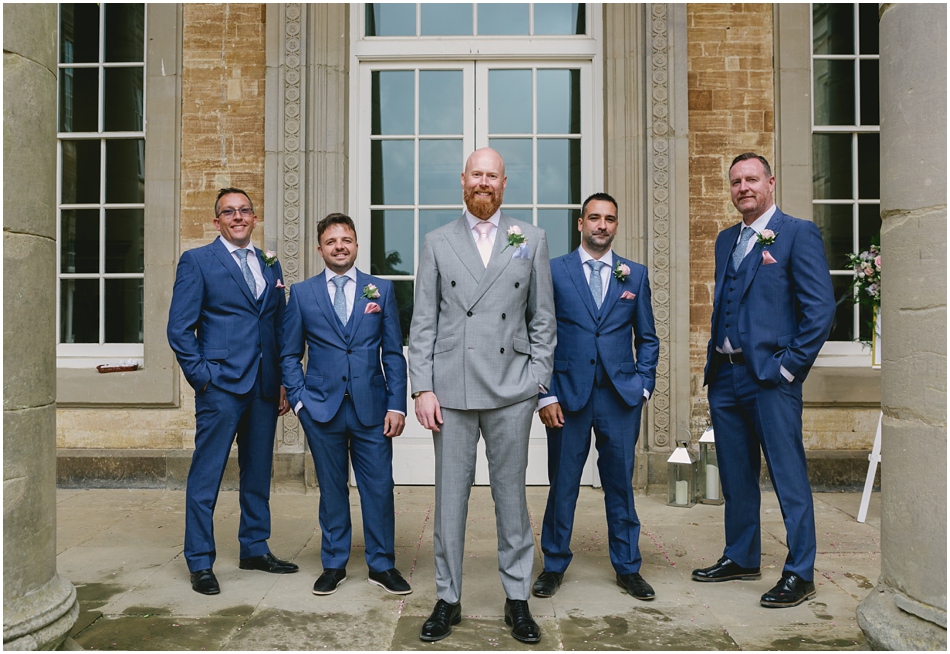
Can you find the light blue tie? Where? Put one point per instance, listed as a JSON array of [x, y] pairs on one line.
[[596, 283], [739, 253], [246, 270], [339, 300]]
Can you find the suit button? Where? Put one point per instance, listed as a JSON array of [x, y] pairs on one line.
[[592, 362], [469, 314], [344, 377], [517, 284], [502, 316], [502, 350], [597, 334], [349, 351], [453, 283]]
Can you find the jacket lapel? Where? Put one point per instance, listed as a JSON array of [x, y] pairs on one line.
[[359, 302], [461, 241], [613, 289], [498, 261], [227, 260], [775, 224], [321, 296]]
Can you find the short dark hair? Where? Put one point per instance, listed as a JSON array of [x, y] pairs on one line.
[[228, 191], [334, 219], [752, 155], [603, 197]]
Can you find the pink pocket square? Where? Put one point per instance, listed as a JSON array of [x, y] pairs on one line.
[[279, 284], [372, 307], [767, 258], [627, 295]]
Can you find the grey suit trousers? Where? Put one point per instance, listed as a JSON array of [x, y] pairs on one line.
[[505, 431]]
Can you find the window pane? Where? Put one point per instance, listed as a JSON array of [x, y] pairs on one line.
[[520, 214], [393, 166], [440, 168], [842, 327], [403, 289], [870, 92], [559, 101], [868, 24], [831, 161], [519, 167], [122, 102], [869, 225], [445, 19], [80, 183], [556, 18], [391, 251], [79, 310], [79, 241], [385, 19], [561, 228], [440, 102], [509, 102], [559, 171], [836, 224], [430, 219], [394, 102], [78, 33], [865, 322], [124, 310], [125, 171], [125, 240], [833, 28], [125, 32], [510, 18], [79, 100], [869, 166], [834, 92]]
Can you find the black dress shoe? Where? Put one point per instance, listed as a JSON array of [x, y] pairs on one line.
[[636, 586], [390, 581], [268, 563], [439, 624], [329, 581], [791, 590], [724, 570], [547, 584], [204, 582], [523, 626]]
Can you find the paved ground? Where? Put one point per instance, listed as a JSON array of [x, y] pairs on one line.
[[123, 551]]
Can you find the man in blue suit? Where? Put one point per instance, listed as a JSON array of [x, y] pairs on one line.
[[225, 326], [603, 309], [772, 311], [352, 401]]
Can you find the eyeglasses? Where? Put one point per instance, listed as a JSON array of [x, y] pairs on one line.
[[230, 213]]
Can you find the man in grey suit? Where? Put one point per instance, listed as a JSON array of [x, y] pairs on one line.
[[481, 345]]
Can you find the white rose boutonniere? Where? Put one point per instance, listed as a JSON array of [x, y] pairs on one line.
[[269, 257], [516, 237], [621, 270], [370, 292], [767, 237]]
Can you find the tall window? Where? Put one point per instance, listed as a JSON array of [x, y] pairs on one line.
[[533, 102], [846, 146], [101, 186]]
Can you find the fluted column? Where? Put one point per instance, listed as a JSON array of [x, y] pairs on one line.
[[908, 609], [39, 606]]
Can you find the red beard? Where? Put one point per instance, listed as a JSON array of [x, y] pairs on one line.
[[481, 207]]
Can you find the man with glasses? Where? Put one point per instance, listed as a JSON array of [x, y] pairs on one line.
[[225, 325]]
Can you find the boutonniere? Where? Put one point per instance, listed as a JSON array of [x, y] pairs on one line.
[[370, 292], [621, 270], [766, 237], [516, 237], [269, 257]]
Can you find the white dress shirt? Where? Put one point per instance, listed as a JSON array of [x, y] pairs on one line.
[[253, 262]]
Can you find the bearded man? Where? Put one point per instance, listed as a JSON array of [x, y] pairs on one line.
[[481, 346]]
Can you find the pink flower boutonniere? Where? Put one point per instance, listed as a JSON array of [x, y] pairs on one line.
[[269, 257], [370, 292], [516, 237], [621, 270], [767, 237]]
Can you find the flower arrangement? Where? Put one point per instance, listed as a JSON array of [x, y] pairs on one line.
[[866, 287], [269, 257], [516, 237], [621, 270]]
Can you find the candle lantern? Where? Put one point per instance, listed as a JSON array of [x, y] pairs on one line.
[[710, 490], [683, 471]]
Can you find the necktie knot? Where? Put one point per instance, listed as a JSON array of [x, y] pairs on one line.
[[596, 265], [483, 228], [242, 254], [340, 281]]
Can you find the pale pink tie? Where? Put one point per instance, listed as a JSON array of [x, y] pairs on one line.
[[483, 242]]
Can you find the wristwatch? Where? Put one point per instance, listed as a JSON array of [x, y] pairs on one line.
[[418, 393]]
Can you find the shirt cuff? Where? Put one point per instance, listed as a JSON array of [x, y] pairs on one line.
[[786, 374], [402, 413], [646, 394], [297, 408], [545, 401]]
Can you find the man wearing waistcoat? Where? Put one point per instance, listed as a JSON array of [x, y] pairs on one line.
[[772, 311]]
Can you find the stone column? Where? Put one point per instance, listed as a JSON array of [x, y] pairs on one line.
[[909, 608], [39, 606]]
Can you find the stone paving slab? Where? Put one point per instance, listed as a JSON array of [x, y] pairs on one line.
[[123, 551]]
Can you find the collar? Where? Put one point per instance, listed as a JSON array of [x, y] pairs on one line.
[[351, 273], [472, 220], [762, 221], [232, 248], [608, 257]]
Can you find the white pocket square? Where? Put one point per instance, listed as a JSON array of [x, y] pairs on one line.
[[521, 252]]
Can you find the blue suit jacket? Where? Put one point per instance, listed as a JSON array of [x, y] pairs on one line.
[[369, 362], [218, 331], [624, 324], [787, 307]]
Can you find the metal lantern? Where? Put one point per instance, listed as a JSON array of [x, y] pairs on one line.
[[683, 471], [710, 490]]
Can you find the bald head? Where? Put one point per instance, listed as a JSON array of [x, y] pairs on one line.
[[483, 183]]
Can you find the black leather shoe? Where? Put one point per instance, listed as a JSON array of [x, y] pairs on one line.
[[204, 582], [439, 624], [547, 584], [329, 581], [636, 586], [724, 570], [523, 626], [390, 581], [791, 590], [268, 563]]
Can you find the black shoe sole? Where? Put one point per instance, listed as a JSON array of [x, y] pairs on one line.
[[742, 577], [276, 572], [392, 591], [329, 592], [215, 591], [432, 639], [788, 605], [520, 638], [645, 598], [536, 593]]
